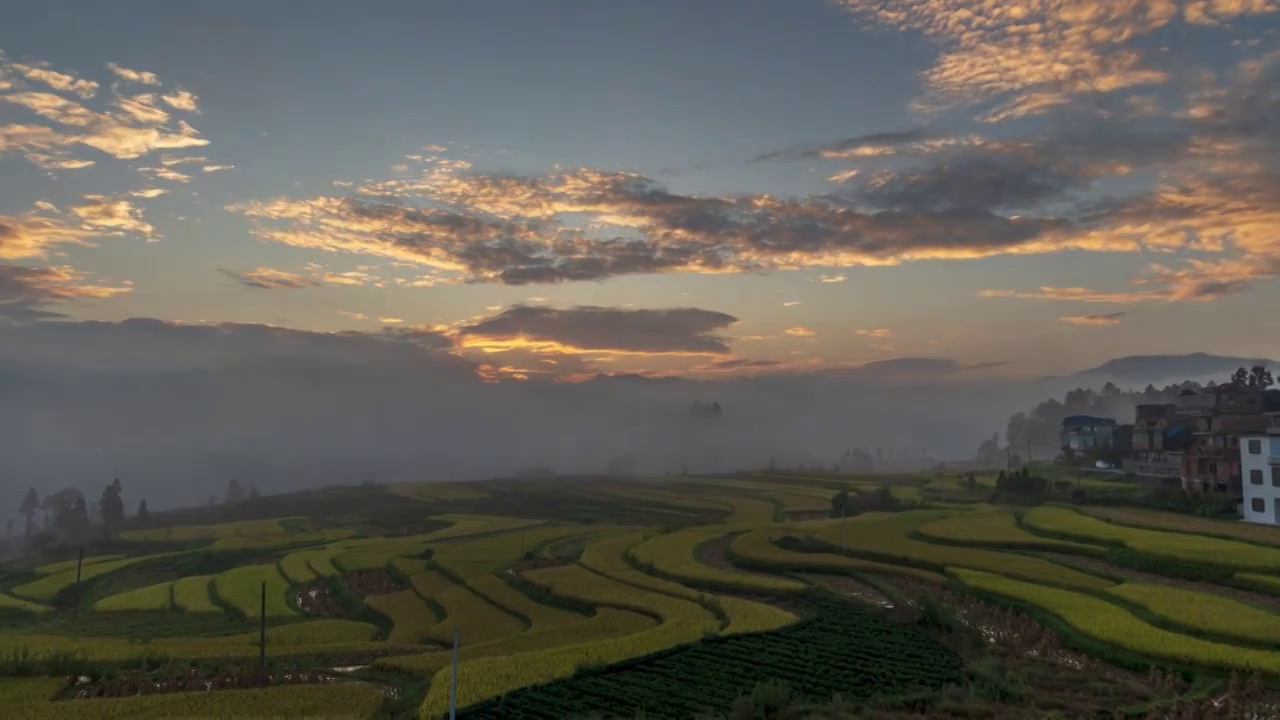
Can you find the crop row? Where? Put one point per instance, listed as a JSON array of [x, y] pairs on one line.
[[1171, 545], [1212, 613], [47, 587], [606, 623], [19, 691], [1178, 522], [757, 547], [467, 558], [883, 535], [605, 557], [842, 652], [9, 602], [672, 554], [1113, 625], [540, 617], [241, 588], [998, 527], [294, 701]]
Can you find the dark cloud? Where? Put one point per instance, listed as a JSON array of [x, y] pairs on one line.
[[270, 279], [676, 330], [1106, 319], [873, 143], [31, 293], [745, 364]]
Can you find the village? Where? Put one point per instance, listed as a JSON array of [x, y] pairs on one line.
[[1218, 442]]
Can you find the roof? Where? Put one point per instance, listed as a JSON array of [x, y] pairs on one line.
[[1087, 420], [1237, 425]]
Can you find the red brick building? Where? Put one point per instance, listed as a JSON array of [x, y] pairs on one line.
[[1220, 415]]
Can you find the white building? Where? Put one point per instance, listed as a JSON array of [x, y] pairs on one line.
[[1260, 474]]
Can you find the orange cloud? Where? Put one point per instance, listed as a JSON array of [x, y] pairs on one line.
[[800, 331], [878, 333], [1108, 319]]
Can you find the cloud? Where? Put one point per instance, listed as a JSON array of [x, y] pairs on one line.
[[390, 320], [353, 315], [1108, 319], [182, 100], [216, 168], [141, 77], [62, 82], [171, 160], [112, 215], [878, 333], [165, 173], [149, 192], [832, 278], [27, 293], [871, 145], [515, 230], [792, 303], [30, 235], [128, 126], [800, 331], [265, 278], [677, 331]]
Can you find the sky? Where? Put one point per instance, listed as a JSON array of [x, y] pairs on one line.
[[536, 190]]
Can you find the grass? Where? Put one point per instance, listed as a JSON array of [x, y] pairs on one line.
[[14, 691], [467, 558], [290, 701], [9, 602], [63, 565], [1181, 546], [246, 528], [884, 535], [1201, 611], [241, 589], [464, 525], [672, 554], [194, 594], [1103, 621], [1266, 583], [476, 619], [998, 528]]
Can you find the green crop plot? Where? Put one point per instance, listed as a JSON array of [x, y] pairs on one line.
[[296, 701], [1115, 626], [241, 589], [152, 597], [8, 602], [194, 594], [883, 535], [49, 586], [21, 691], [476, 619], [481, 555], [1000, 528], [63, 565], [672, 554], [757, 547], [1212, 613], [1172, 545], [411, 615], [540, 617], [1156, 520]]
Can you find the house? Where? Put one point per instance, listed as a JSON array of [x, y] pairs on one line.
[[1161, 436], [1087, 435], [1212, 462], [1260, 465]]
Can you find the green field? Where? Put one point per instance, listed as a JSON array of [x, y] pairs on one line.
[[702, 581]]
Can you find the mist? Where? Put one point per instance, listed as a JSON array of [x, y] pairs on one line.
[[176, 411]]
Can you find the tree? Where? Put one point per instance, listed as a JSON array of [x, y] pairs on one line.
[[1240, 377], [971, 482], [30, 504], [143, 516], [1110, 390], [76, 522], [253, 491], [235, 491], [839, 503], [1260, 378], [112, 508]]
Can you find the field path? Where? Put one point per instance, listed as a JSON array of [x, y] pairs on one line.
[[1138, 576]]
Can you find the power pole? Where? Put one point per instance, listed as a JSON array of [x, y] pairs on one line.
[[453, 679], [844, 545], [262, 638], [75, 610]]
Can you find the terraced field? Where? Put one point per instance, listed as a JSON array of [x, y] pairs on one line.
[[561, 614]]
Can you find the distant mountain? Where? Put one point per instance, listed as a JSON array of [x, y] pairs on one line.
[[1155, 368]]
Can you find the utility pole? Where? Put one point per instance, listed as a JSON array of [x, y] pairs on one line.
[[453, 679], [75, 610], [844, 545], [262, 638]]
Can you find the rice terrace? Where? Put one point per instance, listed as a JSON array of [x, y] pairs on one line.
[[773, 594]]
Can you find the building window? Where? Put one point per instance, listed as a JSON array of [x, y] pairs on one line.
[[1258, 505], [1255, 447], [1255, 477], [1275, 477]]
